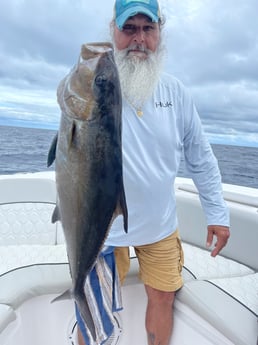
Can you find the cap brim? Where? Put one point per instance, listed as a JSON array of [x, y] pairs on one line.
[[130, 12]]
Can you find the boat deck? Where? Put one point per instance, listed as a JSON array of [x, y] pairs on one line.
[[219, 294]]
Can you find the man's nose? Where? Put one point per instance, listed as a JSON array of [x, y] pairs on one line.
[[139, 36]]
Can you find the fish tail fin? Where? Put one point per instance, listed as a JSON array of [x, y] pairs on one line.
[[84, 310]]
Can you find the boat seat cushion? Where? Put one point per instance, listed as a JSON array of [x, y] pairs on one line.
[[26, 208], [222, 311], [38, 269], [202, 265], [27, 282], [7, 315], [244, 289], [12, 257], [27, 223]]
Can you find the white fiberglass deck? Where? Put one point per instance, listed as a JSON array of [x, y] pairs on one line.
[[40, 322]]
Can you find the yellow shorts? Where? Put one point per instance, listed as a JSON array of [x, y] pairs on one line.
[[160, 263]]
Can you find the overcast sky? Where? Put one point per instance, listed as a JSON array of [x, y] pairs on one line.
[[212, 47]]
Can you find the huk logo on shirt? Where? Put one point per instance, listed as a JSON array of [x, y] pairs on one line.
[[167, 104]]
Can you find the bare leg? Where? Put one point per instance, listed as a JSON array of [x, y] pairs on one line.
[[159, 316], [80, 337]]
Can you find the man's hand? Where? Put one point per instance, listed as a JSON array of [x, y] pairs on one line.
[[222, 233]]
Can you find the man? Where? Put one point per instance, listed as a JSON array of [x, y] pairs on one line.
[[159, 123]]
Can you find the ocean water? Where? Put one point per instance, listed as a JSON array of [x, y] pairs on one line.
[[26, 150]]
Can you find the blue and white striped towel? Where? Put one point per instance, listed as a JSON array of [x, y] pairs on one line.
[[103, 294]]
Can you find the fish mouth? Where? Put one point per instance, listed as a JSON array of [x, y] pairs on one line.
[[92, 50]]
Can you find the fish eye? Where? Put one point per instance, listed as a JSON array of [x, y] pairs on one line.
[[100, 79]]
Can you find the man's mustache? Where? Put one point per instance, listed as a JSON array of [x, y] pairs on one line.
[[138, 47]]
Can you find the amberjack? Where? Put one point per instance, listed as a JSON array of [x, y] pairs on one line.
[[88, 163]]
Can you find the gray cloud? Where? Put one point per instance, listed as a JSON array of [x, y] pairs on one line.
[[212, 46], [214, 49]]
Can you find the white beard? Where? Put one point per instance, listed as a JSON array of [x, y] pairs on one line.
[[138, 77]]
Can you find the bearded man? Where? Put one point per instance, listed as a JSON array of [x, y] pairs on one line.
[[159, 124]]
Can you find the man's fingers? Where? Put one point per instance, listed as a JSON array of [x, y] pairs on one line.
[[222, 233], [209, 238], [218, 246]]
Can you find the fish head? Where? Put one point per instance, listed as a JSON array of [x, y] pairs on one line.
[[92, 87], [106, 86]]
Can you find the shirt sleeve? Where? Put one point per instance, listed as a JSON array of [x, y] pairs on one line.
[[202, 166]]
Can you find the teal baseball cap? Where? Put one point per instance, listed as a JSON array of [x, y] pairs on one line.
[[124, 9]]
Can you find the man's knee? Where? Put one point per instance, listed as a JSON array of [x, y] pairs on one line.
[[159, 297]]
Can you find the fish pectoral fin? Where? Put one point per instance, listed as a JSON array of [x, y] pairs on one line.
[[72, 134], [121, 208], [52, 151], [64, 296], [56, 215]]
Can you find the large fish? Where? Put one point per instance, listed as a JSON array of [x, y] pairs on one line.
[[88, 163]]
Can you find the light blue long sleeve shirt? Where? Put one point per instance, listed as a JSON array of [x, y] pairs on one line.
[[152, 148]]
